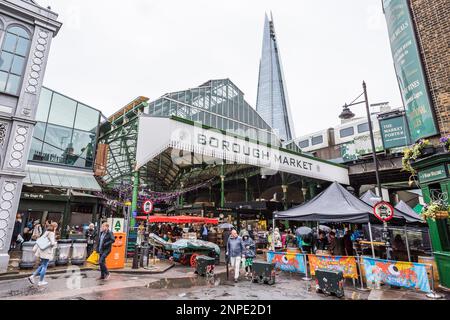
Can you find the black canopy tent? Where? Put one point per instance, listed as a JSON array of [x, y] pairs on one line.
[[336, 204], [401, 209]]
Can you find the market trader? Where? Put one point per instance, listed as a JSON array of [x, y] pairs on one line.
[[236, 251], [104, 246]]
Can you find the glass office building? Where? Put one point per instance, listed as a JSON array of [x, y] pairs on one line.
[[272, 102], [65, 133], [218, 104]]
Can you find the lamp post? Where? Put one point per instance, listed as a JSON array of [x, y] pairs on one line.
[[348, 114]]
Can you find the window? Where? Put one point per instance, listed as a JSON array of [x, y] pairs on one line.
[[317, 140], [16, 44], [363, 127], [45, 100], [347, 132], [62, 111], [82, 151], [303, 144], [87, 118]]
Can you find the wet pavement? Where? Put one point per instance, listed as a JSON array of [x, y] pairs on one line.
[[180, 283]]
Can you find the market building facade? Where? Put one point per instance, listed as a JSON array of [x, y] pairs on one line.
[[207, 148], [26, 32]]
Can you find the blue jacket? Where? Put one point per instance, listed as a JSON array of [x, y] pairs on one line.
[[235, 247]]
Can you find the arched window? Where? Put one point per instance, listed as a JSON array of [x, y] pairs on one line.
[[16, 44]]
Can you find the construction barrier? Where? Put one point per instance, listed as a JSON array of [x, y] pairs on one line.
[[396, 273], [347, 265], [288, 261], [376, 271]]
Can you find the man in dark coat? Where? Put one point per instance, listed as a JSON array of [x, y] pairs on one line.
[[105, 242]]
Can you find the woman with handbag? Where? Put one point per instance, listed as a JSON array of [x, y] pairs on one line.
[[44, 249]]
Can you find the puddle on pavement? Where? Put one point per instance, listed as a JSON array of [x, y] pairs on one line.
[[189, 282]]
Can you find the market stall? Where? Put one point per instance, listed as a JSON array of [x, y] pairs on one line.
[[337, 205]]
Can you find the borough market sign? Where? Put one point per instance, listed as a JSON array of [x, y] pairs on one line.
[[157, 135]]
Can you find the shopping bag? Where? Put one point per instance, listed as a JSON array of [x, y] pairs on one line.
[[43, 242], [93, 258]]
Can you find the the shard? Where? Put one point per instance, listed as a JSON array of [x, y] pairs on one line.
[[273, 102]]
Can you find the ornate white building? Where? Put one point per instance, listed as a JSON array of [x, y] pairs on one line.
[[26, 32]]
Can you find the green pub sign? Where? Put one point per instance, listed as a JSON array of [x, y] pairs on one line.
[[394, 132], [409, 70], [433, 174]]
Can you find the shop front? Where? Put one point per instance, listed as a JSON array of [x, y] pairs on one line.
[[434, 178], [62, 196]]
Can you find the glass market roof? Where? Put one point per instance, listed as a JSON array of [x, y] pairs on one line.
[[218, 104]]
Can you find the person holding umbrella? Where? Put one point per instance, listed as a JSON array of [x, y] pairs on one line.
[[304, 237]]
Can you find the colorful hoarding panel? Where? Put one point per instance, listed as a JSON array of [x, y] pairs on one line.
[[394, 132], [285, 261], [397, 273], [345, 264], [409, 69]]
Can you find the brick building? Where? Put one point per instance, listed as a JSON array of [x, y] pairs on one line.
[[432, 25]]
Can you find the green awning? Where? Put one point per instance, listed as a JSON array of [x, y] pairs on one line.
[[418, 208], [41, 176]]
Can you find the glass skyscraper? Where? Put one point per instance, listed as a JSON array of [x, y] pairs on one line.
[[272, 102]]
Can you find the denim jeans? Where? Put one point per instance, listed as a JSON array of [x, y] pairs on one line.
[[42, 269], [102, 262]]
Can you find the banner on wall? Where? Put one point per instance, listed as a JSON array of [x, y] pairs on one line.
[[345, 264], [397, 273], [408, 67], [285, 261]]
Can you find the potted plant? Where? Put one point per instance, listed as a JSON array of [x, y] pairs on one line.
[[445, 143], [436, 210]]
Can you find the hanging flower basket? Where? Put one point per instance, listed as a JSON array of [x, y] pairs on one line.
[[442, 215], [435, 211]]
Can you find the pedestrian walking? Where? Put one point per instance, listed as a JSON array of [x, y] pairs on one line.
[[16, 232], [104, 247], [235, 251], [249, 253], [90, 235], [37, 230], [45, 255], [204, 233], [140, 233]]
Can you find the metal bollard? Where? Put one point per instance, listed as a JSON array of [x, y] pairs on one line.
[[433, 294], [306, 277], [136, 257]]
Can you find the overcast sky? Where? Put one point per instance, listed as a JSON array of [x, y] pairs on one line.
[[109, 52]]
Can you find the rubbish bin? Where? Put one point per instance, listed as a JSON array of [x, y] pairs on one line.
[[330, 281], [205, 265], [63, 252], [116, 259], [28, 259], [79, 252], [263, 272]]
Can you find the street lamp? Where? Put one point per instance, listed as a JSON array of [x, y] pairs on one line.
[[348, 114]]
